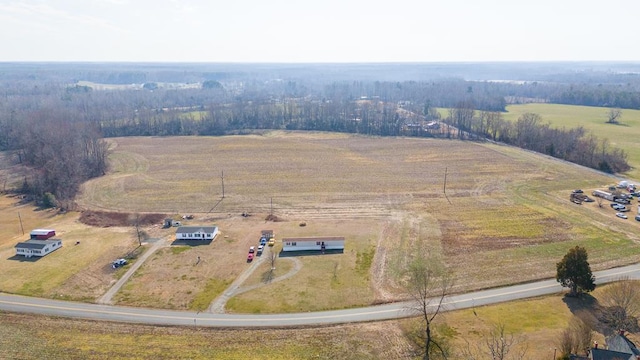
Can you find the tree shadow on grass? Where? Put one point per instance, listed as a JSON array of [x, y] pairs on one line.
[[268, 276], [587, 308]]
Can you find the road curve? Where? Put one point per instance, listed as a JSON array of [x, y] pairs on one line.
[[23, 304]]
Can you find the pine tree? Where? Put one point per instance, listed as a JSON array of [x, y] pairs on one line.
[[574, 272]]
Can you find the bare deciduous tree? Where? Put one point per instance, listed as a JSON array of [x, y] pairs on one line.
[[136, 220], [621, 305], [599, 201], [576, 338], [498, 345], [613, 116], [269, 275], [428, 284]]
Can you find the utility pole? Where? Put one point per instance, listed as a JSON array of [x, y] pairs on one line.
[[444, 189], [271, 211], [21, 228], [222, 177]]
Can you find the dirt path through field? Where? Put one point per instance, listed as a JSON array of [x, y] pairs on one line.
[[218, 304], [297, 265], [108, 296]]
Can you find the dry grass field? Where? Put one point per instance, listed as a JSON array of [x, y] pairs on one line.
[[505, 218], [535, 323], [79, 272]]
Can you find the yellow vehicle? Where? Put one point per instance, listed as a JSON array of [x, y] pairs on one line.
[[271, 242]]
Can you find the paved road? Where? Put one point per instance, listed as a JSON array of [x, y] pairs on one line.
[[22, 304]]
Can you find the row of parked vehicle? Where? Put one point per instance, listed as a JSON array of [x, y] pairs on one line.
[[621, 210], [264, 241]]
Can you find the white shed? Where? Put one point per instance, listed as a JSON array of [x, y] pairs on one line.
[[313, 243], [196, 232], [32, 247]]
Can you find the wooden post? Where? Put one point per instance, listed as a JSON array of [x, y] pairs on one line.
[[222, 184]]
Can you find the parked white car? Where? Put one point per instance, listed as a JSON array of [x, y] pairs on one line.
[[617, 206], [621, 215], [120, 262]]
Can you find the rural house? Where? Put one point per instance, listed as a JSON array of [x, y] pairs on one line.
[[42, 234], [313, 243], [33, 247], [196, 232], [619, 347]]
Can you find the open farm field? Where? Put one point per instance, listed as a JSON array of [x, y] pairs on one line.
[[139, 86], [506, 217], [624, 136]]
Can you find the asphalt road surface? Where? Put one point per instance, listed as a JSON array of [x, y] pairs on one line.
[[21, 304]]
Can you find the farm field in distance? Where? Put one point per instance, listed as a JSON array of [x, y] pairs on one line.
[[624, 135]]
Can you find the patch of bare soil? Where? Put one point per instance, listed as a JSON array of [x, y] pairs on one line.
[[273, 218], [109, 219], [381, 283], [458, 238]]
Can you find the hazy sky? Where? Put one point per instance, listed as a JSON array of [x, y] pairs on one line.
[[319, 31]]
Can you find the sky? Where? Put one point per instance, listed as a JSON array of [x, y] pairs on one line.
[[304, 31]]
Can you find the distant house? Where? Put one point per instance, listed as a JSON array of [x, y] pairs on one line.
[[31, 248], [196, 232], [42, 234], [267, 234], [313, 243]]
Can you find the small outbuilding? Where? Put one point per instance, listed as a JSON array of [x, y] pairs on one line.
[[31, 247], [42, 234], [196, 232], [313, 243], [267, 234]]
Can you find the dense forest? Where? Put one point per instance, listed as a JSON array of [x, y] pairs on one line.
[[53, 117]]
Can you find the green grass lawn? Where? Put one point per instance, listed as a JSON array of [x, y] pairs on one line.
[[593, 119], [624, 136]]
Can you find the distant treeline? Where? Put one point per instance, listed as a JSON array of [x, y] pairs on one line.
[[530, 132], [598, 97], [375, 117], [56, 129]]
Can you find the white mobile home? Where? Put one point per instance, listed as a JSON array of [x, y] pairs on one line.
[[31, 248], [313, 243], [196, 232], [603, 194]]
